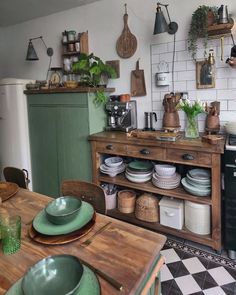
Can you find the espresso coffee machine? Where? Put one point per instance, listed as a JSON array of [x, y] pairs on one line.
[[122, 116]]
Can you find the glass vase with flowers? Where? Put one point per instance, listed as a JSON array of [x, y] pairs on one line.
[[191, 109]]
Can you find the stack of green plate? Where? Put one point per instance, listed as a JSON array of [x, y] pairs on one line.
[[139, 171], [197, 182]]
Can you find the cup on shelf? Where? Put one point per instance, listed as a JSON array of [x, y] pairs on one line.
[[77, 46], [10, 234], [71, 47]]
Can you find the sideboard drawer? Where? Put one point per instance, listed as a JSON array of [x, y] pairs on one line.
[[111, 148], [152, 153], [191, 157]]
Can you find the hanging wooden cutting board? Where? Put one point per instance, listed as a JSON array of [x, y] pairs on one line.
[[126, 44], [138, 87]]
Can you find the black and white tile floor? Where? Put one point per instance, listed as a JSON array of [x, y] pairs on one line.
[[189, 270]]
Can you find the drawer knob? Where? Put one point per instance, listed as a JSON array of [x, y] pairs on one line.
[[145, 152], [109, 147], [188, 157]]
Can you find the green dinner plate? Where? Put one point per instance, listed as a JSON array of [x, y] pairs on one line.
[[44, 226], [89, 284], [140, 165]]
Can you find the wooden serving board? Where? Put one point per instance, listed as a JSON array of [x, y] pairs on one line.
[[7, 190], [156, 135], [61, 239], [138, 87]]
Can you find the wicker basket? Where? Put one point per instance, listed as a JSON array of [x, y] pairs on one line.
[[126, 201], [147, 208]]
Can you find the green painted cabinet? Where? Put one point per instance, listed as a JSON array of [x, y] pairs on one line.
[[59, 125]]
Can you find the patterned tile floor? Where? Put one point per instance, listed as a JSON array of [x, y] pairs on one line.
[[189, 270]]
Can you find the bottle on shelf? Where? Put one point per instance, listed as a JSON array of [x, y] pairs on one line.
[[64, 37]]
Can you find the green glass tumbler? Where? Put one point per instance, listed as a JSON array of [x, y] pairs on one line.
[[11, 234]]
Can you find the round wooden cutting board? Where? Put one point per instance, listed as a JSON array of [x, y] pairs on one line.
[[7, 190]]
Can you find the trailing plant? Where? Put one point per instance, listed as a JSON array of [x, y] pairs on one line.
[[198, 28], [91, 69]]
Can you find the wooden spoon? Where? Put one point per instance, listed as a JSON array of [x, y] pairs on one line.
[[126, 44]]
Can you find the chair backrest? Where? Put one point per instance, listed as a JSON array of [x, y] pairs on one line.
[[16, 175], [87, 191]]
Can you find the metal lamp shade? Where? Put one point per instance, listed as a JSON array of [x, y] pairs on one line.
[[31, 53], [160, 22]]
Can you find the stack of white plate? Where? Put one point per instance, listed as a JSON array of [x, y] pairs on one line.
[[139, 171], [197, 182], [166, 177], [113, 166]]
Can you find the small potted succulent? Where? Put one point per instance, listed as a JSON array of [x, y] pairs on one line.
[[94, 72]]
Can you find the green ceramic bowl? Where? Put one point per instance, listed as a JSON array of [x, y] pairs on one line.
[[63, 210], [53, 275]]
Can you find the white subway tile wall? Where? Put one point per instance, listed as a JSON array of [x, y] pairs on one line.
[[185, 79]]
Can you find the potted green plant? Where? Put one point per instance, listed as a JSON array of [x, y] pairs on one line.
[[198, 27], [94, 72]]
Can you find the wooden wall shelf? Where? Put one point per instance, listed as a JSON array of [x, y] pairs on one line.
[[220, 30]]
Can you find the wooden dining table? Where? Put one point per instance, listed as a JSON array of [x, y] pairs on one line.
[[127, 253]]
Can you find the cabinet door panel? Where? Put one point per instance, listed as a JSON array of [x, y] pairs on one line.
[[43, 146], [73, 146]]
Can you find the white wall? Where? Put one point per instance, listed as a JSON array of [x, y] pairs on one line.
[[104, 22]]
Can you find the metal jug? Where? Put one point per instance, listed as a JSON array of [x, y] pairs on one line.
[[149, 116], [223, 16]]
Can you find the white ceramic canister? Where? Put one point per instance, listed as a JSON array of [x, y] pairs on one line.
[[163, 75], [110, 201], [163, 79], [198, 218]]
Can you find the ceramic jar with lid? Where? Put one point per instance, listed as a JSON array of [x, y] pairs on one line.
[[71, 35]]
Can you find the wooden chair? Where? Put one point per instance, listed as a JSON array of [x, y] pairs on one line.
[[16, 175], [87, 191]]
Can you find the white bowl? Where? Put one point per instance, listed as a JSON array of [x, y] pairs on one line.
[[139, 176], [138, 180], [165, 169], [113, 161]]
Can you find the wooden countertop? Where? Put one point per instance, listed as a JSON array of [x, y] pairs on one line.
[[124, 251], [182, 143]]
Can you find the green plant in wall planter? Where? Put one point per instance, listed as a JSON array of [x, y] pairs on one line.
[[94, 72], [198, 28]]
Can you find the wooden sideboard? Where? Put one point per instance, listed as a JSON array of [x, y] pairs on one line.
[[185, 154]]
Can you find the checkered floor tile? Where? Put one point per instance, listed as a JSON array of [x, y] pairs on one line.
[[187, 273]]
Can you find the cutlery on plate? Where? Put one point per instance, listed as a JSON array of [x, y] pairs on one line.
[[90, 239]]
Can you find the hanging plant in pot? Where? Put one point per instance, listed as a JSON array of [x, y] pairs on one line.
[[198, 27], [94, 72]]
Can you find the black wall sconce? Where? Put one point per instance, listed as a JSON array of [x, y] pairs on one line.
[[161, 25], [32, 55]]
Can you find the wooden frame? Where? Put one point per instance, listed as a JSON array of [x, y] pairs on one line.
[[205, 80], [116, 65]]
